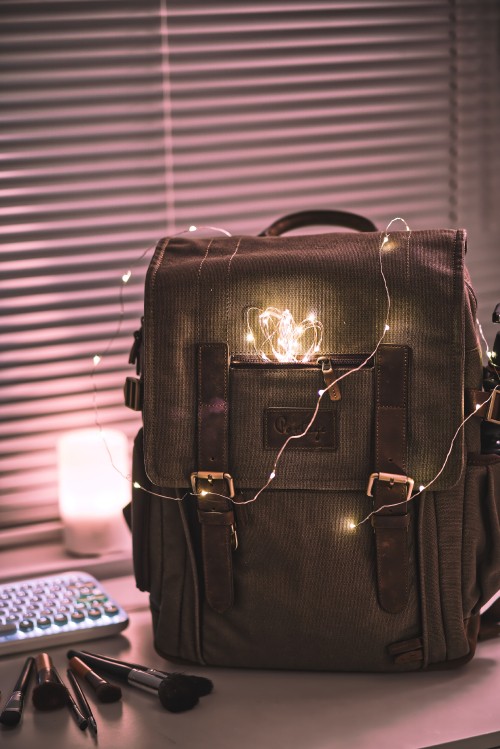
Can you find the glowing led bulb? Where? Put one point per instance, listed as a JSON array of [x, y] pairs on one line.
[[96, 360], [276, 336], [321, 393], [421, 488], [192, 228], [272, 475], [203, 493], [126, 276], [386, 328], [136, 485], [351, 525]]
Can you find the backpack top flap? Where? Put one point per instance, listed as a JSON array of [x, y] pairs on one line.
[[199, 291]]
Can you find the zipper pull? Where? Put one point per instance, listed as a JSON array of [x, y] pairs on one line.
[[329, 377]]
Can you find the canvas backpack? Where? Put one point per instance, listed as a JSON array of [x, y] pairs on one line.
[[334, 566]]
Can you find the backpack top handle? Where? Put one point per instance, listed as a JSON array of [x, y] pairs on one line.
[[318, 218]]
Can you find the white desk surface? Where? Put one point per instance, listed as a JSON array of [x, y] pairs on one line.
[[272, 710]]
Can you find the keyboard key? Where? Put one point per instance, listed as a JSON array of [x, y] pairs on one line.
[[77, 617], [26, 625], [31, 609], [110, 609], [60, 619], [85, 591], [44, 622], [7, 629], [98, 601]]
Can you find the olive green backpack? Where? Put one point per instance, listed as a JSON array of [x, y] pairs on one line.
[[344, 561]]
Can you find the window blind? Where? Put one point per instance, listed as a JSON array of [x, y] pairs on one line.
[[123, 122], [84, 193], [476, 160]]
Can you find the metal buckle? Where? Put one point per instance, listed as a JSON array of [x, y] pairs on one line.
[[212, 476], [492, 406], [391, 478], [132, 392]]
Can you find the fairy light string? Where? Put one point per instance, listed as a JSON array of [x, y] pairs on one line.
[[275, 335], [97, 358], [422, 487], [490, 355], [278, 332], [272, 475]]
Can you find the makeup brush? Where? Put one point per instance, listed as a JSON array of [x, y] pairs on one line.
[[81, 721], [174, 695], [200, 684], [105, 692], [83, 704], [11, 714], [49, 693]]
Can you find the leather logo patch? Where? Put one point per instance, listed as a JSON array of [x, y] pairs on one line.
[[282, 423]]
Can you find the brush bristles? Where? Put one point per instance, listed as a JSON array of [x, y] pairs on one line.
[[10, 717], [108, 693], [200, 684], [50, 696], [177, 695]]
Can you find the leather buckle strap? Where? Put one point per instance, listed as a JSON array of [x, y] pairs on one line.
[[390, 484], [392, 479], [493, 414], [210, 477], [214, 487], [484, 403], [212, 509]]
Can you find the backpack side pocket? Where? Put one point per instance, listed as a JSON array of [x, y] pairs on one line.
[[481, 532]]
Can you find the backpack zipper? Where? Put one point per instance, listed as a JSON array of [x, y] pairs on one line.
[[328, 365], [343, 361]]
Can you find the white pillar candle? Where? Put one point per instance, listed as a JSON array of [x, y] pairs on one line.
[[92, 492]]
